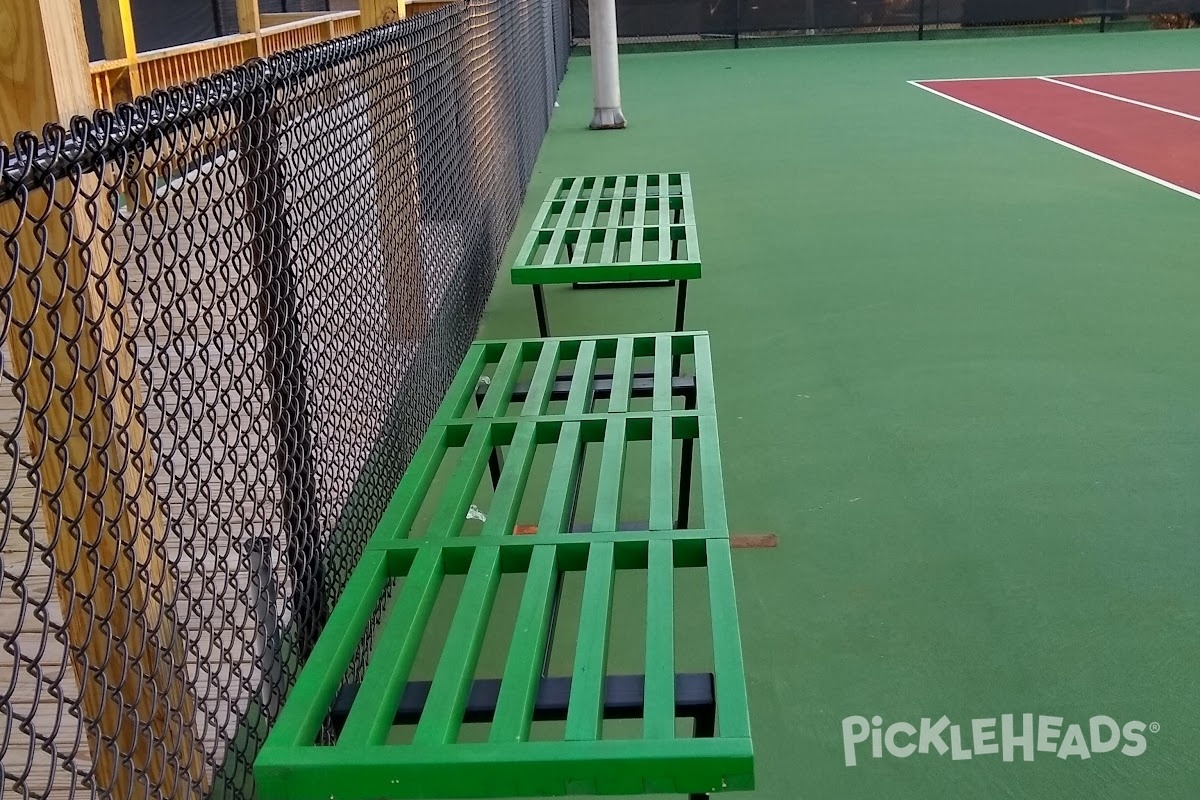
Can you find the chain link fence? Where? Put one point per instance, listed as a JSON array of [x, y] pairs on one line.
[[731, 21], [230, 311]]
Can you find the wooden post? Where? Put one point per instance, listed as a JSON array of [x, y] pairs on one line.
[[380, 12], [67, 337], [120, 44], [250, 22]]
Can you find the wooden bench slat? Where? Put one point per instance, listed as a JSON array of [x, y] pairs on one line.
[[447, 699], [537, 398], [459, 395], [556, 508], [618, 399], [662, 476], [659, 715], [301, 717], [591, 647], [509, 491], [391, 662], [519, 686], [607, 515], [507, 372], [451, 513], [581, 381], [405, 504], [662, 373], [733, 716], [712, 481]]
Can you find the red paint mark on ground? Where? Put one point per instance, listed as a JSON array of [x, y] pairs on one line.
[[747, 541], [1161, 145]]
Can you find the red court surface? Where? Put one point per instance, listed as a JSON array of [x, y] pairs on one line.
[[1147, 123]]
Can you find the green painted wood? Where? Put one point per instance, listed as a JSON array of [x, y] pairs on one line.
[[518, 689], [460, 490], [711, 480], [500, 390], [618, 401], [527, 769], [733, 715], [529, 541], [302, 716], [362, 764], [556, 507], [662, 476], [607, 516], [543, 378], [510, 490], [462, 388], [625, 244], [405, 504], [391, 662], [705, 399], [591, 647], [659, 715], [662, 373], [582, 379], [447, 699]]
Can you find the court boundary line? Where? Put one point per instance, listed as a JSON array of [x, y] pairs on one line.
[[1043, 135], [1064, 75], [1120, 98]]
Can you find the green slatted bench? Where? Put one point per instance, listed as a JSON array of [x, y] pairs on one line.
[[611, 231], [424, 536]]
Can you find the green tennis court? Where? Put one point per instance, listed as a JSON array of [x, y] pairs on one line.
[[958, 376]]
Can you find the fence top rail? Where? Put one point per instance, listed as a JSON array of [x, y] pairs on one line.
[[194, 47], [308, 22]]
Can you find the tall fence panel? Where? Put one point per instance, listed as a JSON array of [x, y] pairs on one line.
[[229, 312], [731, 20]]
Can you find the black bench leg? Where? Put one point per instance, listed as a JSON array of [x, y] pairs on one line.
[[539, 303]]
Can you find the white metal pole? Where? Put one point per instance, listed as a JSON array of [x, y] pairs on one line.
[[606, 79]]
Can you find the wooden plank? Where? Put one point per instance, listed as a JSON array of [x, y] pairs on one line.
[[248, 17], [591, 648], [116, 26], [381, 12], [518, 689], [43, 65], [659, 714]]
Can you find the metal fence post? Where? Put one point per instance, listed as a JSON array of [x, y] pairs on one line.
[[285, 366]]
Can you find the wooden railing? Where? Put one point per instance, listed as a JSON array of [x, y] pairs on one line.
[[116, 80]]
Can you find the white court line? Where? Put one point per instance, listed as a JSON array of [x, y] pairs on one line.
[[1121, 98], [1068, 145], [1072, 75]]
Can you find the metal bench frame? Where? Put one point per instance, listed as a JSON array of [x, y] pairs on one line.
[[360, 714], [612, 231]]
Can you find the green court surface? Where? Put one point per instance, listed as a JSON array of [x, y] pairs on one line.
[[958, 373]]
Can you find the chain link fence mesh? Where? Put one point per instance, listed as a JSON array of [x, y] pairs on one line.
[[683, 21], [230, 310]]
